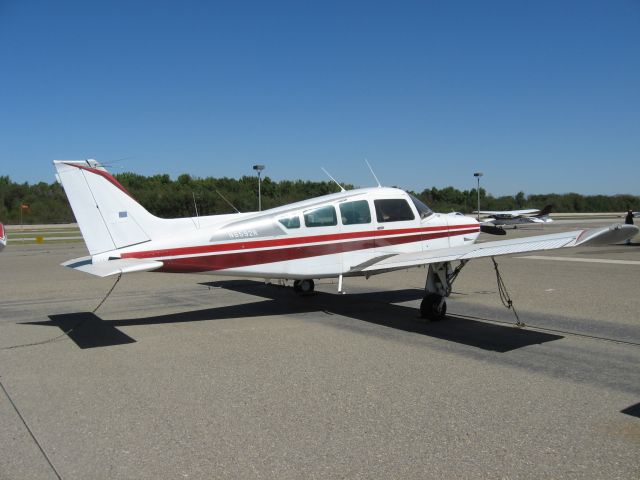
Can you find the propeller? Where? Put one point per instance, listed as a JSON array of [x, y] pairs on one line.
[[492, 229]]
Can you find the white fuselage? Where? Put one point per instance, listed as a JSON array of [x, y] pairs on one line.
[[323, 237]]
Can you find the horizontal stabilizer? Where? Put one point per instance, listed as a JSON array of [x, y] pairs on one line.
[[112, 267]]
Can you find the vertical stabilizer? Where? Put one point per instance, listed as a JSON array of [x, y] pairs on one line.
[[108, 217]]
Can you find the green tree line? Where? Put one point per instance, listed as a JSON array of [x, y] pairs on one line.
[[164, 197], [451, 199]]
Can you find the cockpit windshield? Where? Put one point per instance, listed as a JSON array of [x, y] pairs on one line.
[[423, 210]]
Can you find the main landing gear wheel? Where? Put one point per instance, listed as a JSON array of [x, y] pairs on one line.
[[433, 307], [303, 287]]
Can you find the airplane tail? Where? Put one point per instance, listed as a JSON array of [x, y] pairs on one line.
[[108, 216], [545, 211]]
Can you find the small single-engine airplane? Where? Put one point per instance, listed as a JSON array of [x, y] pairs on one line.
[[351, 233], [3, 237], [517, 217]]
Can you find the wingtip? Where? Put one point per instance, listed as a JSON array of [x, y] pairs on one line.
[[607, 235]]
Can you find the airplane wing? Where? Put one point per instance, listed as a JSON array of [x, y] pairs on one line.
[[112, 267], [595, 236]]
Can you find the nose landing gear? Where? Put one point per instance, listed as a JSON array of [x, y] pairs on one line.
[[437, 287], [433, 307]]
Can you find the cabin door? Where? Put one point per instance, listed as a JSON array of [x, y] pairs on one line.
[[397, 229]]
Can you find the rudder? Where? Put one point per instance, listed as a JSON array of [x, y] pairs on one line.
[[108, 217]]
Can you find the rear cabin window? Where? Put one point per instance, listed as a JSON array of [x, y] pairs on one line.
[[321, 217], [290, 222], [354, 213], [393, 210]]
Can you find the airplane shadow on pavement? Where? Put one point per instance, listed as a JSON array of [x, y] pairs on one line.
[[378, 308], [88, 330]]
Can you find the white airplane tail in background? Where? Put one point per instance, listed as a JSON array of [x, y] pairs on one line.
[[108, 217]]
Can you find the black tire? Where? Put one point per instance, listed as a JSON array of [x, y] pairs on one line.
[[431, 307], [303, 287], [306, 286]]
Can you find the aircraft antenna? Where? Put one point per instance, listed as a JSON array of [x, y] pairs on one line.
[[112, 163], [373, 173], [225, 199], [336, 182], [195, 204]]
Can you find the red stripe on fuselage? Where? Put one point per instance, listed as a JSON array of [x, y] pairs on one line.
[[258, 257], [380, 236]]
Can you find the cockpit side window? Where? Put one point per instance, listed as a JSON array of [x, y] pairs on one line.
[[354, 213], [321, 217], [292, 221], [423, 210], [393, 210]]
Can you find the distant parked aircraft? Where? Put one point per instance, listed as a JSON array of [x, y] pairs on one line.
[[517, 217], [3, 237], [358, 232]]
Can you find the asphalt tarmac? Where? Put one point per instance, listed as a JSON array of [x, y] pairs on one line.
[[189, 376]]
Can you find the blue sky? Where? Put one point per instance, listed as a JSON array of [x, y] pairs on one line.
[[541, 96]]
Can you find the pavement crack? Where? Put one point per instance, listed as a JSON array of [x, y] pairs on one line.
[[24, 422]]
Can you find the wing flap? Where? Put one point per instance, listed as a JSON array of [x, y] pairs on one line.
[[112, 267], [596, 236]]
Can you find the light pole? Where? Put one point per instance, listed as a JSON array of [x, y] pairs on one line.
[[259, 168], [478, 175]]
